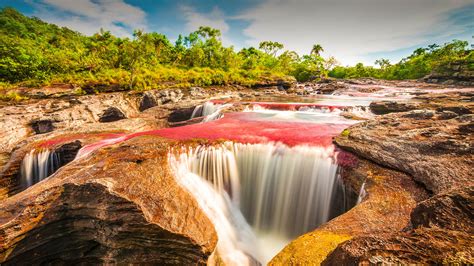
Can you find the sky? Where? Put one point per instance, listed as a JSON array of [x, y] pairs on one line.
[[350, 30]]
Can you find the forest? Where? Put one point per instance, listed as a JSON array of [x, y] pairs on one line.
[[36, 53]]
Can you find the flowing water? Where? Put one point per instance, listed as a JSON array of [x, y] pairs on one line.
[[281, 191], [209, 110], [37, 165]]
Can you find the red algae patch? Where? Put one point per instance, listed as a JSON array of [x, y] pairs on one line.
[[290, 128]]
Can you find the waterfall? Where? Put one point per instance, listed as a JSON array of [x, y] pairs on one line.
[[209, 110], [218, 166], [281, 191], [37, 165], [362, 193], [235, 237]]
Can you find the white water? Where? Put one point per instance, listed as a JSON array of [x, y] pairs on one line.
[[209, 110], [314, 114], [281, 191], [362, 194], [37, 165], [235, 237]]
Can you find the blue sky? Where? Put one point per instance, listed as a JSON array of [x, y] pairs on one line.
[[350, 30]]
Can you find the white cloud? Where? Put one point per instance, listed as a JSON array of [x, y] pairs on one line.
[[350, 29], [89, 16], [215, 19]]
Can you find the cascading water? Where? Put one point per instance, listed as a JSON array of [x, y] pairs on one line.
[[362, 194], [37, 165], [209, 110], [281, 191], [236, 240]]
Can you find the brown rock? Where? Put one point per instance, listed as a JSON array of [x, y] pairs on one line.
[[120, 206], [437, 152], [443, 228]]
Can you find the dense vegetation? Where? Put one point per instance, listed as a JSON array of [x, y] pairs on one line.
[[420, 63], [34, 53]]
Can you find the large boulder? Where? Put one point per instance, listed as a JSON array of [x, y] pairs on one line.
[[435, 148], [120, 206], [441, 233]]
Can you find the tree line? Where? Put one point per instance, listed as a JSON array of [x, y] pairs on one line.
[[33, 53]]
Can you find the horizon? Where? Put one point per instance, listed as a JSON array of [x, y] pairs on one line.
[[390, 32]]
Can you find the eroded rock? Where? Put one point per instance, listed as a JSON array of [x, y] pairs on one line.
[[441, 233], [436, 151], [120, 206], [112, 114]]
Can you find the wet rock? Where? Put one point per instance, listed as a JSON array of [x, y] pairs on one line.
[[112, 114], [42, 126], [67, 152], [386, 107], [181, 114], [419, 114], [437, 153], [440, 232], [157, 97], [120, 206]]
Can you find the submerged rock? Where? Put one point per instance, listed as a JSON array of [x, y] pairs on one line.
[[120, 206]]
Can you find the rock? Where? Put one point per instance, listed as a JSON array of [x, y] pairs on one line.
[[112, 114], [460, 110], [436, 152], [330, 88], [157, 97], [444, 115], [442, 228], [287, 83], [42, 126], [67, 152], [148, 100], [181, 114], [120, 206], [386, 107], [420, 114], [196, 91]]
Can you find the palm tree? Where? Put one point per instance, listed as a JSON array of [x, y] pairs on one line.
[[317, 49]]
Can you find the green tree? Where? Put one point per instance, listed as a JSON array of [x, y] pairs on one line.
[[317, 49]]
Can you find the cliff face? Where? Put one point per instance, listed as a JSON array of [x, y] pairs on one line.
[[120, 206]]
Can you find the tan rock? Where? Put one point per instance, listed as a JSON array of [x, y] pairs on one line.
[[120, 206]]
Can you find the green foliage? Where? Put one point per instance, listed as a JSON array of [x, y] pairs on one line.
[[421, 62], [35, 53]]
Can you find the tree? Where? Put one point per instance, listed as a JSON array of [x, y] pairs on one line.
[[317, 49], [383, 63], [270, 48]]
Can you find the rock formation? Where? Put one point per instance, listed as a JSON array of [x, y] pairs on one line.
[[120, 206]]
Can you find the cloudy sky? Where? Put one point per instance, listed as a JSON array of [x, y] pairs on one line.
[[351, 30]]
